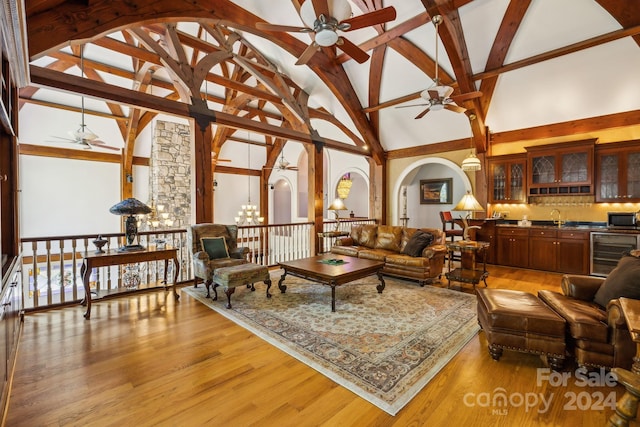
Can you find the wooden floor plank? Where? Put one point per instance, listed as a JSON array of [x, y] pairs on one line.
[[147, 360]]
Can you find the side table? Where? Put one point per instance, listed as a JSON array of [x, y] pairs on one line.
[[627, 405], [332, 236], [473, 262]]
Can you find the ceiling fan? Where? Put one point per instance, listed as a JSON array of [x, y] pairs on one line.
[[283, 164], [83, 135], [438, 96], [325, 18]]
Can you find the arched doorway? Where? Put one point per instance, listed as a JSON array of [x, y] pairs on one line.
[[358, 200], [426, 215], [281, 202]]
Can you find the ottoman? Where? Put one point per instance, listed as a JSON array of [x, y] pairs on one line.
[[238, 275], [519, 321]]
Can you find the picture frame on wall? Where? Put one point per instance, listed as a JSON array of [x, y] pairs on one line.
[[436, 191]]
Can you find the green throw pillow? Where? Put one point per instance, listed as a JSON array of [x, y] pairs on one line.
[[215, 247]]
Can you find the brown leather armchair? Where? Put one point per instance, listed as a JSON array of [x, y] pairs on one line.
[[203, 266], [596, 336]]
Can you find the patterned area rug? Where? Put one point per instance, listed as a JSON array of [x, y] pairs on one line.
[[383, 347]]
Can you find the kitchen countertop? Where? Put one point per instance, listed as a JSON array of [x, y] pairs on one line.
[[595, 226]]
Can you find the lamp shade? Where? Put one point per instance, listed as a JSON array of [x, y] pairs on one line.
[[130, 206], [337, 205], [471, 163], [468, 203]]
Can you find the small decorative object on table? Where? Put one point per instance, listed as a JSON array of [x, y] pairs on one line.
[[333, 261], [99, 242]]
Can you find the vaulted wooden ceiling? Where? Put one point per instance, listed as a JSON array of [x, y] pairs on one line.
[[207, 60]]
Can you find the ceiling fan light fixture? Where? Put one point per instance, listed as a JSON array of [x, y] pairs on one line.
[[436, 106], [326, 38]]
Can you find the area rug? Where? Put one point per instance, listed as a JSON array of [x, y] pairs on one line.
[[383, 347]]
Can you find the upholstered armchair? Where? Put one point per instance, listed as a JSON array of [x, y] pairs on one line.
[[597, 336], [203, 264]]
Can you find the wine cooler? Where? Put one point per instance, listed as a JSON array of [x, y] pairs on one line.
[[608, 248]]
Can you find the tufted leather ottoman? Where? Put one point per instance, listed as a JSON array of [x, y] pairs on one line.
[[244, 274], [519, 321]]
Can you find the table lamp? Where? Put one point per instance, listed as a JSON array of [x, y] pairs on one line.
[[470, 204], [336, 207], [129, 208]]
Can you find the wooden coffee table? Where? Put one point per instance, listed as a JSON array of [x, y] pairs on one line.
[[333, 275]]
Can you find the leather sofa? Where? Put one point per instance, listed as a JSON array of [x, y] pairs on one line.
[[387, 242], [597, 337]]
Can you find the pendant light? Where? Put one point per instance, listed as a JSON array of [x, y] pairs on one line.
[[471, 163]]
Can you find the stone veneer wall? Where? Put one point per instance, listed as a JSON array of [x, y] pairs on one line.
[[170, 171]]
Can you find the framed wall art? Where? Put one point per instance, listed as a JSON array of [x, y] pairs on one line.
[[436, 191]]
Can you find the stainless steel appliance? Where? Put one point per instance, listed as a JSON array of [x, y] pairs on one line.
[[608, 248], [621, 219]]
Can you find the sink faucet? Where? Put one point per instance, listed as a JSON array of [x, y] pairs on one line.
[[558, 221]]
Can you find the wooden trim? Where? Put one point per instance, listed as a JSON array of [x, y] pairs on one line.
[[568, 129], [74, 154]]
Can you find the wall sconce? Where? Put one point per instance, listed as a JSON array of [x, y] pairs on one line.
[[129, 178], [215, 184]]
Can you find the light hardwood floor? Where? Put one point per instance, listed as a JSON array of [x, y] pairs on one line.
[[146, 360]]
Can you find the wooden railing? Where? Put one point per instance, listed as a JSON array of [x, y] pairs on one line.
[[51, 265]]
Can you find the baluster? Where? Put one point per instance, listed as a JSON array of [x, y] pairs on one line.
[[74, 269], [35, 269], [48, 258], [62, 272]]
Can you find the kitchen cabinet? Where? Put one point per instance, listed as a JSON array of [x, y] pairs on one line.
[[513, 247], [486, 233], [618, 172], [561, 169], [561, 250], [508, 179]]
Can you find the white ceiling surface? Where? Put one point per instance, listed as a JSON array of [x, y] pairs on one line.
[[553, 91], [592, 82]]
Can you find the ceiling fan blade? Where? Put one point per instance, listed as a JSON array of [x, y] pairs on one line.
[[308, 53], [109, 147], [455, 108], [466, 96], [421, 115], [273, 27], [413, 105], [351, 49], [320, 7], [63, 139], [376, 17], [433, 94]]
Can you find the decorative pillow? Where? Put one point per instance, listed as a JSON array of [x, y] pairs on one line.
[[416, 244], [215, 247], [623, 281]]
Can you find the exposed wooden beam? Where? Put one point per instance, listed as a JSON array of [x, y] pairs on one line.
[[566, 129], [76, 154], [104, 91], [73, 109]]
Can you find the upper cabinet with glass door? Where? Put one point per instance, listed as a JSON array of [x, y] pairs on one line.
[[561, 169], [508, 179], [618, 172]]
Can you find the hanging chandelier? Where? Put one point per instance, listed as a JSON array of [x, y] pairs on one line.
[[249, 214], [471, 163], [344, 186]]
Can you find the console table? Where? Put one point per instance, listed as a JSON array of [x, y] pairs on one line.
[[116, 257], [473, 262]]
